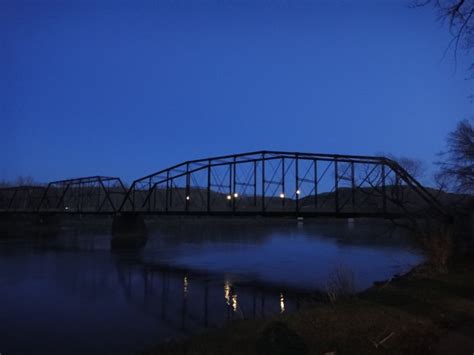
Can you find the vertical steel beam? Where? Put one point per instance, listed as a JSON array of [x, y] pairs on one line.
[[255, 183], [353, 186], [167, 190], [133, 197], [149, 200], [384, 192], [297, 185], [187, 197], [263, 183], [209, 186], [171, 192], [98, 200], [336, 186], [78, 196], [283, 181], [315, 163], [234, 185], [231, 194]]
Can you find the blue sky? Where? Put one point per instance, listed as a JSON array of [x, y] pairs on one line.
[[125, 88]]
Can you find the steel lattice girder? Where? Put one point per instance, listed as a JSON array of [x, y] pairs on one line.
[[164, 187], [84, 195]]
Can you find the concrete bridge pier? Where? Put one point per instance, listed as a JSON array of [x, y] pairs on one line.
[[128, 231]]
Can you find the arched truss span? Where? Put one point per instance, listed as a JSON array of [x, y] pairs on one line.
[[282, 183]]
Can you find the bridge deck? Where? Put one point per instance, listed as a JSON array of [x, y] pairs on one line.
[[219, 214]]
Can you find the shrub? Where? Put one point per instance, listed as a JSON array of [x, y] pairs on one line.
[[341, 284]]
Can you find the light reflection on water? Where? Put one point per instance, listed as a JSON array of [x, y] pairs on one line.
[[73, 288], [227, 292], [185, 286]]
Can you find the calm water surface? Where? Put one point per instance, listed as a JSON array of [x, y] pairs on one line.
[[70, 293]]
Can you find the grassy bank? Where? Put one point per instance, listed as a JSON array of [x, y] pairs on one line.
[[419, 313]]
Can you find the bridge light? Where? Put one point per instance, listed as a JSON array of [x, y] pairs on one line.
[[236, 195], [187, 198], [229, 197], [298, 192], [282, 195]]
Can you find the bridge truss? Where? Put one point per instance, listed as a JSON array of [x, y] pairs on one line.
[[24, 198], [282, 183], [94, 194], [270, 183]]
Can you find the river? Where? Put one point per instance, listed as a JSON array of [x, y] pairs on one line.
[[70, 292]]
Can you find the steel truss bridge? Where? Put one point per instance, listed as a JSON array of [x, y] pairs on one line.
[[267, 183]]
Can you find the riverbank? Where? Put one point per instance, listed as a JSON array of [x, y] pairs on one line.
[[420, 313]]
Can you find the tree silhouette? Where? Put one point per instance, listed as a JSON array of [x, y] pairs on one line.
[[457, 166], [460, 17]]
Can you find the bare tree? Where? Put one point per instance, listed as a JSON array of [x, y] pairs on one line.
[[457, 165], [415, 167], [460, 17], [24, 181]]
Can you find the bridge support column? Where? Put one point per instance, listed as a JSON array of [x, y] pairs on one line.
[[128, 231]]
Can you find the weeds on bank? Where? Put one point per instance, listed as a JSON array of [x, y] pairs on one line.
[[438, 242], [341, 284]]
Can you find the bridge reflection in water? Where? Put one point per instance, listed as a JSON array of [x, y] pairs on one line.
[[187, 303]]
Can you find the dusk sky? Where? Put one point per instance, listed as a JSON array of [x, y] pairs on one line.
[[125, 88]]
